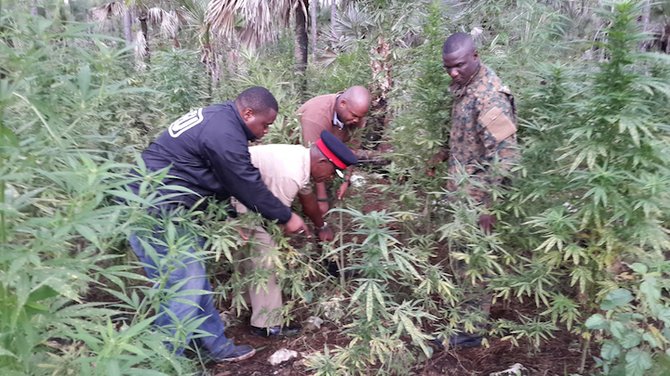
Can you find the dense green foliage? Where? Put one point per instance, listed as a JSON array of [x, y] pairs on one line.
[[582, 232]]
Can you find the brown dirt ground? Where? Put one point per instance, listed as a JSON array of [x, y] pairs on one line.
[[558, 356]]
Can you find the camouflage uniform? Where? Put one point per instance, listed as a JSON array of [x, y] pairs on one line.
[[482, 147], [482, 141]]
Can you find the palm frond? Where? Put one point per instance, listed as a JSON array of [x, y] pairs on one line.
[[168, 21], [254, 21], [141, 51], [191, 11], [105, 11]]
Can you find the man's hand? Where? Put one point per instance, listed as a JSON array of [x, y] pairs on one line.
[[325, 233], [244, 233], [342, 190], [486, 223], [296, 225]]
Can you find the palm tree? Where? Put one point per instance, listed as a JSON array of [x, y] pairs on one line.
[[261, 22], [168, 21]]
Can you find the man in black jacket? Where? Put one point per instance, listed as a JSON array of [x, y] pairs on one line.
[[207, 152]]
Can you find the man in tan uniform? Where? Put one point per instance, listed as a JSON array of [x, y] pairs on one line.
[[341, 114], [482, 143], [287, 170]]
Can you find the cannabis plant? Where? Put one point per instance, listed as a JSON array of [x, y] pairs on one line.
[[594, 188]]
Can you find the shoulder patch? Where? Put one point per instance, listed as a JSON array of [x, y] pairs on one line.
[[185, 123], [497, 123], [505, 90]]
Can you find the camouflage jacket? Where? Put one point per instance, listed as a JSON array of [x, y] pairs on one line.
[[482, 142]]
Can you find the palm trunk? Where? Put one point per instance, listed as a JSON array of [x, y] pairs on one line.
[[206, 56], [314, 10], [301, 47], [646, 15], [145, 31], [127, 26]]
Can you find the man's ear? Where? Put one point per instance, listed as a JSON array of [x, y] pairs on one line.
[[247, 113], [343, 103]]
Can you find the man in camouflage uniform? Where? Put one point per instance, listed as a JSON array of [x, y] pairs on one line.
[[482, 143]]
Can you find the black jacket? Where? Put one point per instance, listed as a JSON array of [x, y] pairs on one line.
[[208, 152]]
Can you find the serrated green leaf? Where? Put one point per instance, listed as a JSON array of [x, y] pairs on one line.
[[596, 322], [610, 350], [649, 287], [639, 268], [630, 339], [616, 298], [637, 362], [618, 329]]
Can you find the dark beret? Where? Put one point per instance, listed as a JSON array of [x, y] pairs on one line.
[[336, 151]]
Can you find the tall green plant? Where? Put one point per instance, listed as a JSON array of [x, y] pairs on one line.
[[63, 223], [394, 296], [420, 128], [594, 190]]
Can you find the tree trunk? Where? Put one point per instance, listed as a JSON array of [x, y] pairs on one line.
[[127, 25], [208, 58], [301, 47], [313, 11], [646, 15], [145, 31]]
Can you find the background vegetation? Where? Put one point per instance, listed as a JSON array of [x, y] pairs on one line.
[[582, 237]]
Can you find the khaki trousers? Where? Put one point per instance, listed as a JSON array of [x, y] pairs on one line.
[[266, 298]]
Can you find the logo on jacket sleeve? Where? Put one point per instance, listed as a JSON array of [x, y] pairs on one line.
[[185, 123]]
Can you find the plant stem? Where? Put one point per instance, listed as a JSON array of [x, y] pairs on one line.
[[582, 362], [341, 266], [3, 236]]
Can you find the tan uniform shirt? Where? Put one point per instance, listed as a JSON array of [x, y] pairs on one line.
[[317, 115], [284, 170], [482, 142]]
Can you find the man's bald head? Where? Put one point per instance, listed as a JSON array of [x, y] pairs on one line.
[[358, 96], [457, 42], [353, 105]]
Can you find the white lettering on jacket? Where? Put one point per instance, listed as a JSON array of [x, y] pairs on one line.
[[185, 123]]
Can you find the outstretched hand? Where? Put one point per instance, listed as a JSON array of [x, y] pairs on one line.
[[325, 234], [296, 225], [342, 190]]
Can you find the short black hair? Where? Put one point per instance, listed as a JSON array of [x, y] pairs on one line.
[[457, 41], [258, 99]]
